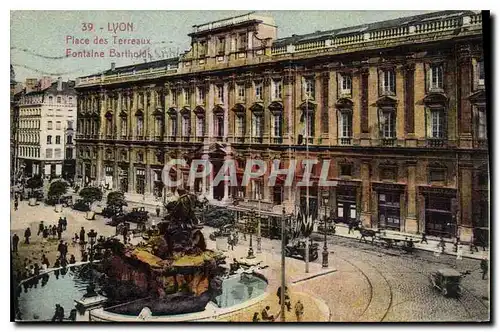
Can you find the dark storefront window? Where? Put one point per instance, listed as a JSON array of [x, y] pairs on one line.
[[124, 181], [346, 204], [389, 210], [439, 220], [140, 181]]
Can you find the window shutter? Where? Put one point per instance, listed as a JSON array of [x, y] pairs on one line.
[[428, 122]]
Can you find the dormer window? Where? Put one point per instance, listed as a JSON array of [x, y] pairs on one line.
[[436, 78], [345, 84], [387, 82]]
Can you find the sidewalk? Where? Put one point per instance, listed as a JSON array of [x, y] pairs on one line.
[[343, 230]]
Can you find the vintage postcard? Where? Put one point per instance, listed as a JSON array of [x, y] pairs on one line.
[[250, 166]]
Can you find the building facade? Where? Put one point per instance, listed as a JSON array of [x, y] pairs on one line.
[[46, 112], [397, 107]]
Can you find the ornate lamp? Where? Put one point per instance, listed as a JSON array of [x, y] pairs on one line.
[[325, 196]]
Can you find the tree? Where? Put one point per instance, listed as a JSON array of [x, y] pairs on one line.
[[217, 217], [56, 190], [116, 200], [91, 194], [33, 183]]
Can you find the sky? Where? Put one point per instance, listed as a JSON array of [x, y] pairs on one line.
[[40, 39]]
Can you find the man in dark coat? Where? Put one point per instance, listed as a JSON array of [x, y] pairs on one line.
[[16, 204], [125, 234], [41, 227], [59, 231], [82, 235], [60, 248], [27, 234], [59, 314], [484, 267], [424, 238], [15, 241]]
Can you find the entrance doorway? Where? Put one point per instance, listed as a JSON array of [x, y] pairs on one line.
[[389, 210], [439, 220], [346, 205]]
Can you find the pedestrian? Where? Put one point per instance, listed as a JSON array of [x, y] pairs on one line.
[[75, 239], [54, 231], [60, 246], [85, 256], [59, 314], [460, 252], [158, 210], [65, 223], [72, 315], [82, 235], [45, 261], [484, 267], [41, 227], [27, 234], [424, 238], [72, 259], [45, 234], [299, 310], [437, 252], [265, 314], [455, 245], [59, 231], [15, 242], [125, 234], [16, 204], [473, 246], [351, 228], [64, 251], [255, 317], [442, 244], [57, 264], [230, 242]]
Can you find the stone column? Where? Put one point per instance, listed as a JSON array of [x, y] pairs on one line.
[[116, 183], [465, 194], [99, 165], [464, 90], [131, 175], [411, 225], [147, 190], [365, 193]]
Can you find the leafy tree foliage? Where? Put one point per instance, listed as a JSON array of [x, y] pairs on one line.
[[57, 189], [91, 194]]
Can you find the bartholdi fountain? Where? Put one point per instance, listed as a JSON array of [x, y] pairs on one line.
[[170, 273]]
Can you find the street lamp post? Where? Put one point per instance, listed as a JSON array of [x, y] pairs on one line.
[[283, 281], [250, 248], [92, 236], [259, 238], [326, 197]]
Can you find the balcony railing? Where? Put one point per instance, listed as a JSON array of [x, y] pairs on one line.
[[158, 138], [239, 139], [200, 139], [345, 141], [185, 138], [277, 140], [436, 142], [257, 139], [389, 141], [172, 138]]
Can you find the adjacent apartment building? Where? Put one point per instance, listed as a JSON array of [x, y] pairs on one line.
[[398, 107], [46, 120]]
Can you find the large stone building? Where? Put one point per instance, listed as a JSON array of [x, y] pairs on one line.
[[397, 106], [46, 114]]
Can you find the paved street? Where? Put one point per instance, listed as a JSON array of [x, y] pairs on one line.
[[369, 284]]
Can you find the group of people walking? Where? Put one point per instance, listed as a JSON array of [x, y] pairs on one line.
[[266, 315]]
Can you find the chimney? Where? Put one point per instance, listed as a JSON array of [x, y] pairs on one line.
[[59, 83], [113, 65]]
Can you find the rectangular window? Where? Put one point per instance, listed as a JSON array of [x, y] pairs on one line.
[[258, 90], [49, 139], [173, 126], [308, 88], [346, 170], [480, 72], [436, 78], [388, 82], [437, 123], [345, 84], [203, 48], [277, 88], [277, 129], [69, 153], [49, 125], [48, 153], [242, 41], [220, 94], [388, 124], [186, 127], [185, 93], [257, 125], [346, 124], [200, 126], [69, 139], [201, 96], [221, 45], [240, 88], [437, 175], [481, 122], [174, 97], [219, 125], [240, 122], [70, 124], [58, 139], [57, 153]]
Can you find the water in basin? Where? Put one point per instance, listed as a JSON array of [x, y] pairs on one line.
[[237, 289]]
